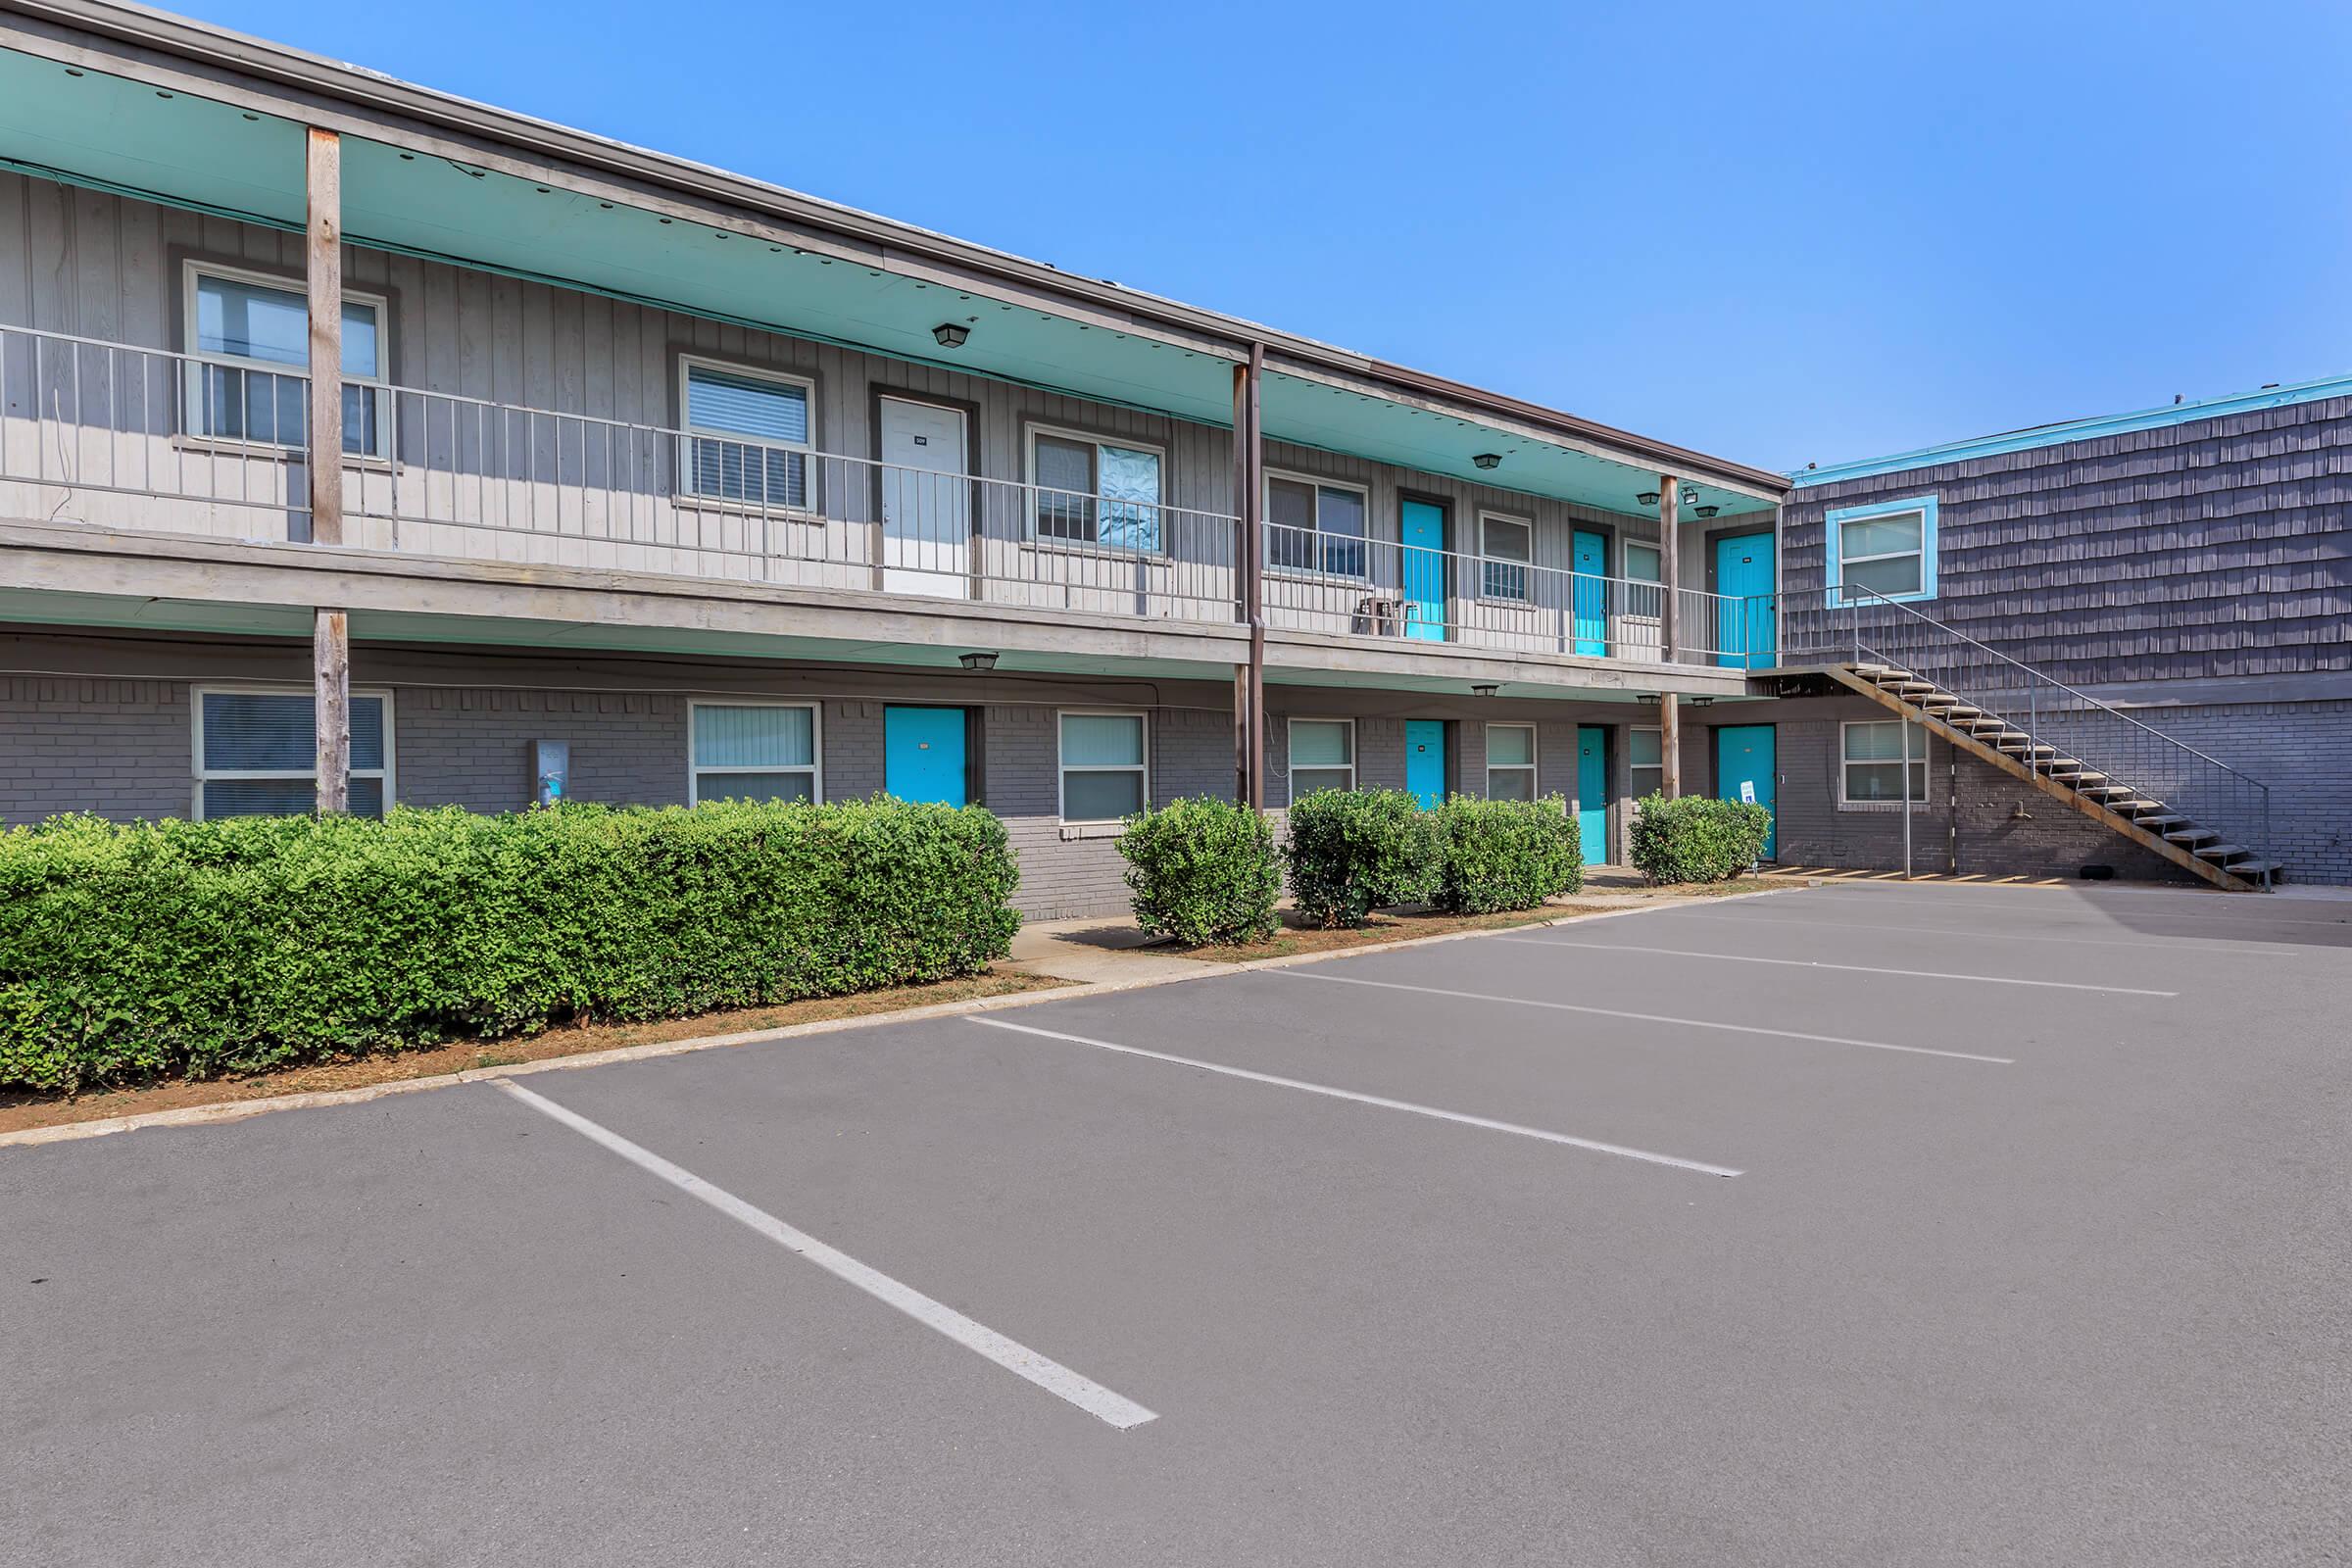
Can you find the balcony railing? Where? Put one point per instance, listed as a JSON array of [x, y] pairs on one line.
[[137, 438]]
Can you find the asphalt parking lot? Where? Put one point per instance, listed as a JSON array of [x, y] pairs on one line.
[[1874, 1225]]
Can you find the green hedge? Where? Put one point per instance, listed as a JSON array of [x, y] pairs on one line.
[[1203, 871], [208, 948], [1355, 850], [1506, 854], [1694, 839]]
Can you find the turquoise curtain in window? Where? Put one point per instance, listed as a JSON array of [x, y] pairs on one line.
[[1129, 482]]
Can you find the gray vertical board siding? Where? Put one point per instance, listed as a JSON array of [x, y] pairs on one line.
[[2214, 548], [557, 490]]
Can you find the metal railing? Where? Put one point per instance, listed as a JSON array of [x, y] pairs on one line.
[[1345, 583], [148, 439], [1857, 625]]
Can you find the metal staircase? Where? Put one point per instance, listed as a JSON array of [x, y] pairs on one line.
[[2171, 799]]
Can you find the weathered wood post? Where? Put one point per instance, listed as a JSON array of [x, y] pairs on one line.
[[331, 630], [1670, 576]]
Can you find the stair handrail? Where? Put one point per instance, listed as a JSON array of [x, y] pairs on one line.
[[1853, 598]]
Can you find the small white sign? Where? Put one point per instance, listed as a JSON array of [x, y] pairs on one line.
[[1747, 792]]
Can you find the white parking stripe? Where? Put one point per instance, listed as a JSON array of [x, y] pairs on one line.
[[1052, 1376], [1850, 968], [2161, 944], [1385, 1103], [2208, 906], [1644, 1017]]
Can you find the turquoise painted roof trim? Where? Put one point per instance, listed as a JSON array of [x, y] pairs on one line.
[[2050, 435]]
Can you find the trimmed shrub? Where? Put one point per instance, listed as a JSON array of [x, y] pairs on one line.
[[1355, 850], [1506, 854], [231, 947], [1694, 839], [1204, 870]]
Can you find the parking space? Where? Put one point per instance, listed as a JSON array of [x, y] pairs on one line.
[[1851, 1224]]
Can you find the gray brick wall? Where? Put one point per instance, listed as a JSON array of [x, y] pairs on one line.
[[120, 748], [470, 745]]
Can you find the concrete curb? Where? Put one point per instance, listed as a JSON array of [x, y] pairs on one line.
[[240, 1109]]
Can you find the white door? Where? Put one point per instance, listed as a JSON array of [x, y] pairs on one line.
[[926, 501]]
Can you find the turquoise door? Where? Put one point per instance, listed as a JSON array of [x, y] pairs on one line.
[[1422, 525], [1589, 589], [1425, 759], [1592, 791], [1744, 635], [1743, 771], [922, 754]]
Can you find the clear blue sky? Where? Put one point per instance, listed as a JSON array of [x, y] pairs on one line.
[[1777, 233]]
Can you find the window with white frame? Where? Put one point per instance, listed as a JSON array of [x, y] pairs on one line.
[[1646, 760], [257, 751], [1642, 561], [250, 338], [1315, 526], [1510, 762], [1093, 492], [1508, 545], [748, 434], [1105, 774], [754, 751], [1875, 766], [1322, 754], [1884, 551]]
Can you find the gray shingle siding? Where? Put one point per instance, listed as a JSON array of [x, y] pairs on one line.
[[2215, 548]]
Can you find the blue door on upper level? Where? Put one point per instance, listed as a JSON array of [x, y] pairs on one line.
[[1422, 525], [922, 754], [1592, 791], [1743, 771], [1590, 590], [1425, 761], [1744, 634]]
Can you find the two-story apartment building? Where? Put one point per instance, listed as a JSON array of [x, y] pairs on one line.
[[656, 484]]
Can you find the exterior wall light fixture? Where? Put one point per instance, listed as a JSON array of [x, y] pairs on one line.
[[1489, 460], [977, 660], [951, 334]]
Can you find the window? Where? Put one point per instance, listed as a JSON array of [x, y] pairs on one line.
[[1646, 758], [256, 752], [1508, 545], [1888, 548], [251, 336], [1094, 493], [1510, 762], [750, 436], [1875, 764], [1322, 754], [753, 751], [1315, 526], [1103, 773], [1643, 564]]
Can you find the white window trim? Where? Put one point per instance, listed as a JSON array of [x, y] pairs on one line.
[[1029, 435], [1533, 781], [687, 495], [204, 775], [1318, 483], [1834, 562], [1527, 568], [817, 747], [190, 405], [1289, 752], [1063, 770], [1847, 803]]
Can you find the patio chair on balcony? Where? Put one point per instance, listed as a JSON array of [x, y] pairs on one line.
[[1378, 616]]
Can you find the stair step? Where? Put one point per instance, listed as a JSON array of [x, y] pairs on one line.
[[2157, 819], [2108, 789], [2129, 807], [1909, 688], [2191, 835], [2223, 852], [2256, 871]]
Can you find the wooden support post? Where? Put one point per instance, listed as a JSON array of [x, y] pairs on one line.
[[330, 674], [1249, 490], [1669, 746], [322, 263], [331, 630]]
